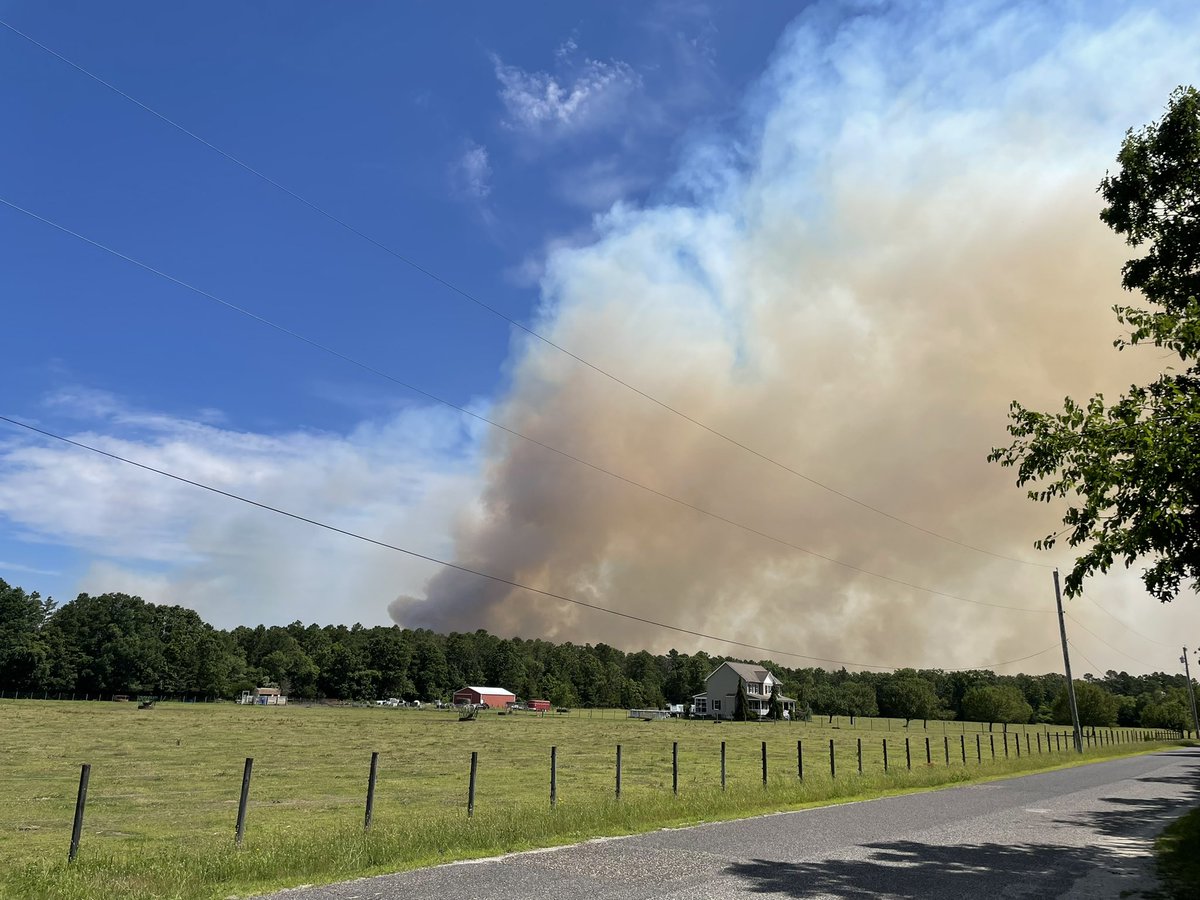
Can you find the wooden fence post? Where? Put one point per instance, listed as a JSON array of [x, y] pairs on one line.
[[370, 814], [907, 754], [471, 784], [860, 756], [978, 751], [764, 763], [675, 767], [242, 802], [962, 738], [885, 759], [722, 765], [618, 771], [800, 759], [85, 773], [832, 765], [553, 777], [928, 755]]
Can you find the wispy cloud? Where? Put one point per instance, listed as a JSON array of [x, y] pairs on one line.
[[471, 174], [6, 566], [583, 97], [599, 183]]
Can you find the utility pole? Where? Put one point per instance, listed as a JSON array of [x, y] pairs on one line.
[[1062, 630], [1191, 693]]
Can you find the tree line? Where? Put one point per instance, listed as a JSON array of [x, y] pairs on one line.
[[120, 644]]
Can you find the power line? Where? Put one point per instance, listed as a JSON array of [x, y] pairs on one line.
[[467, 295], [1126, 626], [1074, 646], [1107, 644], [317, 345], [460, 568]]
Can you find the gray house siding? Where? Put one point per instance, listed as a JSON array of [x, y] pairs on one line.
[[720, 700]]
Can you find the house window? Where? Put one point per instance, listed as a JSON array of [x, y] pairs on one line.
[[716, 704], [753, 687]]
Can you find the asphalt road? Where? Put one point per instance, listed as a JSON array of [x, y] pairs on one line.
[[1085, 832]]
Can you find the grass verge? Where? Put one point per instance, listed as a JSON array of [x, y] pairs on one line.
[[288, 855], [1178, 852]]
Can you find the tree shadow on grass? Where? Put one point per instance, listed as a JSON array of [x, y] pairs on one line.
[[911, 869]]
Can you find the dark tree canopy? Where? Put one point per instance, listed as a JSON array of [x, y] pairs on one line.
[[119, 644], [1130, 470]]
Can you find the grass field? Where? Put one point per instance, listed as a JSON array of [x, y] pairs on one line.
[[165, 782]]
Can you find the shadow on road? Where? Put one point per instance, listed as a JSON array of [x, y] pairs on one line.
[[911, 869], [916, 870]]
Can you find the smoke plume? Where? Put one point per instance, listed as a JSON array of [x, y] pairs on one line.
[[901, 238]]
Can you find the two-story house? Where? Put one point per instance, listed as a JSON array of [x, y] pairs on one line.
[[720, 700]]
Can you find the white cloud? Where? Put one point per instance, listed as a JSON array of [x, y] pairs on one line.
[[402, 479], [471, 173], [593, 95]]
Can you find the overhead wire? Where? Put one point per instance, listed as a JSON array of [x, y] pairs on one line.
[[1078, 650], [1107, 644], [1125, 625], [317, 345], [467, 570], [467, 295]]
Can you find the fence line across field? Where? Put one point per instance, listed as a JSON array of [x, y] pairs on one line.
[[1095, 739], [863, 723]]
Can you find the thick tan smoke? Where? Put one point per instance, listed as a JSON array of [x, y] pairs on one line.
[[860, 300]]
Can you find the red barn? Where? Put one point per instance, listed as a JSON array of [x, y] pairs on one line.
[[493, 697], [539, 705]]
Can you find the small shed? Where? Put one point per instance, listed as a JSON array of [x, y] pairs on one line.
[[264, 696], [492, 697]]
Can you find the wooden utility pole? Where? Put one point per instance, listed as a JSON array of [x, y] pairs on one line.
[[1062, 631], [1191, 693]]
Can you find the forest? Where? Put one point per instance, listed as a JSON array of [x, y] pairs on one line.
[[120, 644]]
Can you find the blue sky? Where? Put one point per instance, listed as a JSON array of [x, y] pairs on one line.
[[604, 173], [376, 113]]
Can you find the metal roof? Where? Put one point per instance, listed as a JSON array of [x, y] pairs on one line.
[[486, 690]]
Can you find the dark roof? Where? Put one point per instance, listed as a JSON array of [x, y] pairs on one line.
[[749, 672]]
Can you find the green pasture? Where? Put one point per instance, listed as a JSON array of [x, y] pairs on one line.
[[164, 788]]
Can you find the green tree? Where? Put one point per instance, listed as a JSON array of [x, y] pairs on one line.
[[109, 644], [741, 703], [776, 707], [25, 653], [860, 699], [1096, 705], [996, 703], [1171, 710], [908, 696], [1130, 472]]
